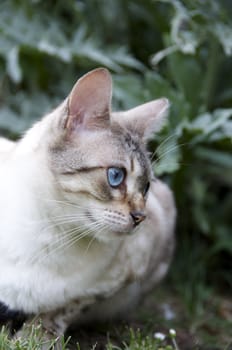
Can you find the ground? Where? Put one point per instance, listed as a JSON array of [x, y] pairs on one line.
[[210, 329], [206, 326]]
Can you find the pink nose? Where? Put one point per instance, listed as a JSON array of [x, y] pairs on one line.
[[137, 216]]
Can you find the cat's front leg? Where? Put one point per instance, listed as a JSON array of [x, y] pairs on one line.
[[41, 332], [53, 325], [58, 321]]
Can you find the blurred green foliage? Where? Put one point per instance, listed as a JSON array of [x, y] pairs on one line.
[[180, 49]]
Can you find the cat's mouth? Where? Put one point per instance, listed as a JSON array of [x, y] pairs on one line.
[[113, 222]]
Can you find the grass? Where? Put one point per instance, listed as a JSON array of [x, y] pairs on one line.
[[148, 328], [33, 341], [137, 341], [159, 341]]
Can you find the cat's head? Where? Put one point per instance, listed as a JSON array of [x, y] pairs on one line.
[[99, 158]]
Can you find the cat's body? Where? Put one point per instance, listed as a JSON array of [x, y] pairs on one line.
[[69, 246]]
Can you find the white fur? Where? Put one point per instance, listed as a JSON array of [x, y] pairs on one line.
[[26, 205], [26, 202], [40, 272]]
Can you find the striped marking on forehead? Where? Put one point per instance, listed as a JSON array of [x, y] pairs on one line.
[[139, 166], [138, 160], [132, 164], [137, 180]]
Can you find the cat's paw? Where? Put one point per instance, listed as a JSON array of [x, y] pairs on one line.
[[36, 332]]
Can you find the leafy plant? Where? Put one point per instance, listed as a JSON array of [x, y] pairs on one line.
[[175, 48]]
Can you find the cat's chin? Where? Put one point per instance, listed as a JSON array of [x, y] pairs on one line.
[[112, 235], [124, 232]]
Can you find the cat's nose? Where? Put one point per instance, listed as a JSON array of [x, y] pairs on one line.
[[137, 216]]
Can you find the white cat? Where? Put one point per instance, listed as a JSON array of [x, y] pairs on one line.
[[85, 229]]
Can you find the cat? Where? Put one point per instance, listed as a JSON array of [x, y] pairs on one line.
[[85, 228]]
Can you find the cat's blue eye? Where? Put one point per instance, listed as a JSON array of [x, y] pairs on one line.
[[115, 176]]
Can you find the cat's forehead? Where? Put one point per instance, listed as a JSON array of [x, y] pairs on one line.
[[112, 147], [117, 147]]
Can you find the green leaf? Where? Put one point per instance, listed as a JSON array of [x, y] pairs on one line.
[[209, 123], [128, 91], [61, 52], [187, 75], [223, 33], [181, 33], [10, 121], [13, 66], [220, 158], [225, 132]]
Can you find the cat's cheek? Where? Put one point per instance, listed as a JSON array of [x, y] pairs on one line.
[[119, 223], [109, 223]]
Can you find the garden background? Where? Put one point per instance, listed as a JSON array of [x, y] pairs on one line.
[[178, 49]]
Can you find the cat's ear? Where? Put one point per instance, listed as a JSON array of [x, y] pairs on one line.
[[89, 101], [147, 118]]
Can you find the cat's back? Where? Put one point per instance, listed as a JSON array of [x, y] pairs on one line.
[[6, 146]]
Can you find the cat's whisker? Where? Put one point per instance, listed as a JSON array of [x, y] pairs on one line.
[[162, 144], [91, 241], [68, 243], [76, 206], [66, 219], [76, 239], [180, 163], [63, 222], [79, 234], [62, 236], [47, 224], [61, 219], [67, 233], [170, 150], [53, 200]]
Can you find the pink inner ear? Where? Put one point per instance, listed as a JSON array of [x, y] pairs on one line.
[[90, 100]]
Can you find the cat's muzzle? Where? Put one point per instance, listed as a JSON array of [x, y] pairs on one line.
[[137, 217]]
